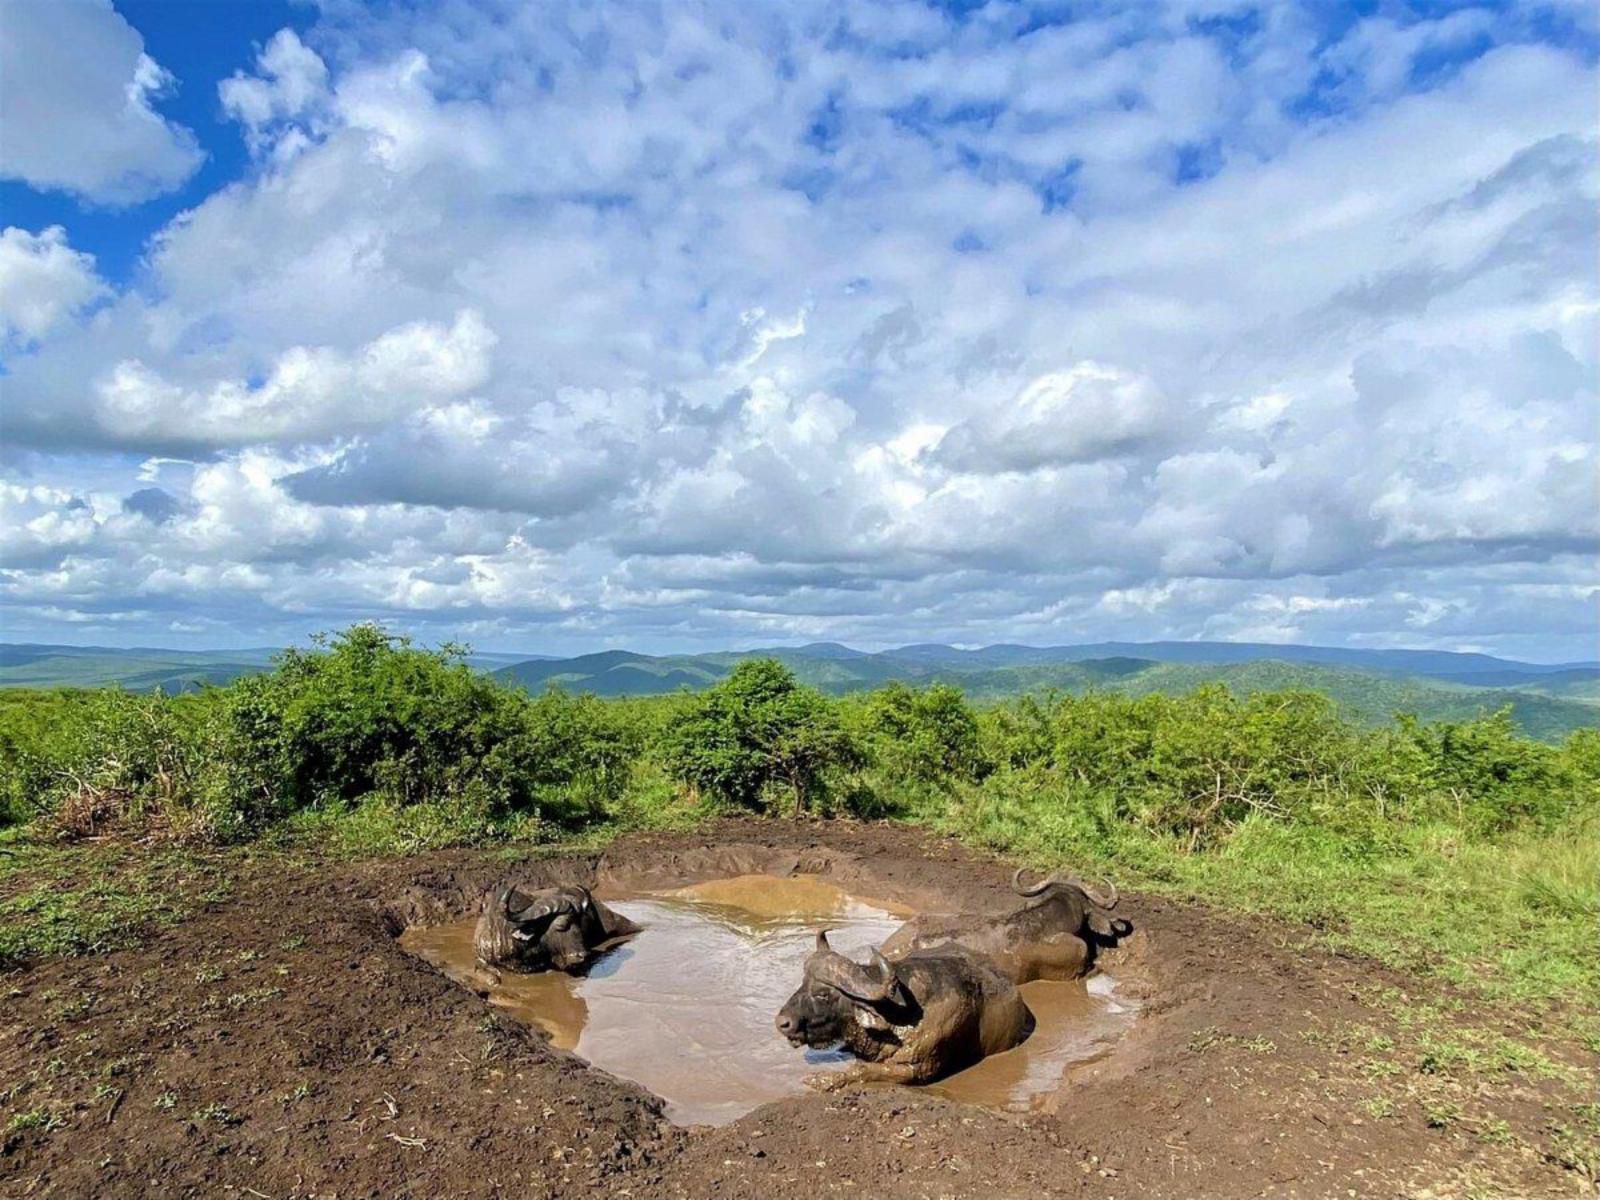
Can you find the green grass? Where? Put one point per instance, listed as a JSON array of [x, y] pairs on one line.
[[69, 899], [1508, 920]]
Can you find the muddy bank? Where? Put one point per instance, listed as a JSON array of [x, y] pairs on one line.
[[285, 1045]]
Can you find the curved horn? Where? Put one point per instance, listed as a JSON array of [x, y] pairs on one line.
[[1104, 901], [855, 980], [1036, 889], [544, 906], [508, 896]]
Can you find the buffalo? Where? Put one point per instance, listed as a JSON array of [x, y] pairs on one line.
[[1053, 936], [912, 1021], [555, 927]]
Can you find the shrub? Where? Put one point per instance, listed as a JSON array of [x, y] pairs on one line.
[[928, 735], [1198, 764], [368, 715], [758, 728], [1483, 772], [362, 717]]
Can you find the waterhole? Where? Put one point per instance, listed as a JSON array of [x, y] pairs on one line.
[[686, 1008]]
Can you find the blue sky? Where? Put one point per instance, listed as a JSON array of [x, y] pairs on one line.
[[559, 327]]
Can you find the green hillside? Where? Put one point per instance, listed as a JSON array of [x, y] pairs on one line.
[[1371, 697], [1546, 702]]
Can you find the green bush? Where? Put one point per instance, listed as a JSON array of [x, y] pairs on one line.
[[759, 729], [370, 716], [39, 734], [1198, 764], [928, 735], [1484, 773], [363, 718]]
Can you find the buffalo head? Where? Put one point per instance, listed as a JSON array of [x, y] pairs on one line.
[[838, 997], [1063, 889], [549, 928]]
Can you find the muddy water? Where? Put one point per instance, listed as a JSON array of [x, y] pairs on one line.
[[1075, 1022], [686, 1008]]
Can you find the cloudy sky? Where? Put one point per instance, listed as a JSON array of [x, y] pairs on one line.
[[686, 325]]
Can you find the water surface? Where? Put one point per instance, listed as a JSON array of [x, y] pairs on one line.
[[686, 1007]]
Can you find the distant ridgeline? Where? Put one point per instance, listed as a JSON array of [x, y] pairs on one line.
[[1547, 701]]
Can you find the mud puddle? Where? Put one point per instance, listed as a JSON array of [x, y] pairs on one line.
[[1076, 1022], [686, 1008]]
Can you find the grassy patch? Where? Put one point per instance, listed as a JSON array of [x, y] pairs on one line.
[[38, 1118], [1512, 919], [87, 898]]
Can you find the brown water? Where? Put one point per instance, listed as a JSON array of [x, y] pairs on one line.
[[686, 1007], [1075, 1022]]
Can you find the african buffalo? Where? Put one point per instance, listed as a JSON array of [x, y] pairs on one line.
[[555, 927], [911, 1021], [1053, 936]]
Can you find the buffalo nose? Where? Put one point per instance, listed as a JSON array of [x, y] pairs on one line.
[[785, 1023]]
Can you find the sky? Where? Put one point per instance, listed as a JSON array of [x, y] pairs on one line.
[[676, 326]]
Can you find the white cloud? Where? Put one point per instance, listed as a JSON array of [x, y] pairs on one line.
[[675, 326], [76, 88], [292, 81], [1088, 411], [42, 282], [309, 392]]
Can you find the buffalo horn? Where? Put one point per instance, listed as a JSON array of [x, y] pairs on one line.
[[1102, 899], [855, 980], [1036, 889]]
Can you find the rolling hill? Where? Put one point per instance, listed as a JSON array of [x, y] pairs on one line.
[[1435, 688], [1547, 700]]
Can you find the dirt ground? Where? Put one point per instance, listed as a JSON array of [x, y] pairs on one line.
[[282, 1045]]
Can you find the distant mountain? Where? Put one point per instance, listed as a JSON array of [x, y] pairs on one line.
[[1547, 700], [616, 673], [143, 668], [138, 668], [1369, 693], [1432, 663]]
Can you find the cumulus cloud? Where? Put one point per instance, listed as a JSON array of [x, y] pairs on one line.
[[308, 392], [1088, 411], [291, 82], [42, 282], [724, 323], [77, 90]]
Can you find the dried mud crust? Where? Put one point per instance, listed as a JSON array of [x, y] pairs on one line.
[[283, 1045]]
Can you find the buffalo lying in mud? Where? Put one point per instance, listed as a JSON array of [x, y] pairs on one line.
[[555, 927], [1053, 936], [911, 1021]]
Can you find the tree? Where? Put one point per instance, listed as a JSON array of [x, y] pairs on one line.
[[758, 727], [927, 734]]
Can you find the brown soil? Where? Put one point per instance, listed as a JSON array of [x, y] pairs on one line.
[[283, 1045]]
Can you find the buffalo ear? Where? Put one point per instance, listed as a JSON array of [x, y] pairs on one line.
[[822, 940], [894, 990], [1102, 924]]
